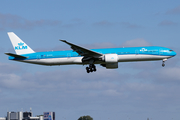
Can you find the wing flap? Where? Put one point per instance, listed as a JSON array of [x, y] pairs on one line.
[[15, 55]]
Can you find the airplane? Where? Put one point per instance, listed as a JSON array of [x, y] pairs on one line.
[[107, 57]]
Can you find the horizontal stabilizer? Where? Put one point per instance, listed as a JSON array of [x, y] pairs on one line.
[[15, 55]]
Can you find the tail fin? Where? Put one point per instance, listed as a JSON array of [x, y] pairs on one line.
[[19, 46]]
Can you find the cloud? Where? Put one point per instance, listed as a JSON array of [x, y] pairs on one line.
[[2, 49], [130, 25], [103, 23], [56, 48], [73, 23], [100, 45], [88, 46], [133, 86], [10, 81], [106, 23], [174, 11], [163, 75], [136, 43], [17, 22], [74, 89], [167, 23], [9, 68], [170, 74], [130, 43], [58, 80], [111, 92]]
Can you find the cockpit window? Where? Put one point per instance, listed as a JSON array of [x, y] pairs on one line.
[[170, 50]]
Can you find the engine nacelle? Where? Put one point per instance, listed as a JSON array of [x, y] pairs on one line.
[[111, 61], [111, 65], [111, 58]]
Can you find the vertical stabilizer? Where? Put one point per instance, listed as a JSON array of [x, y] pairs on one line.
[[20, 47]]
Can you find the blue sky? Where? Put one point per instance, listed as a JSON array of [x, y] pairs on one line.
[[138, 90]]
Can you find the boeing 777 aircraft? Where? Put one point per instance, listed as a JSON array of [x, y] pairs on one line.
[[107, 57]]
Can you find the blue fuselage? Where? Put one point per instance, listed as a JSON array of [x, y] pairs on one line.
[[124, 55]]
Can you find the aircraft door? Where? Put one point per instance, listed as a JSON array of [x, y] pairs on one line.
[[160, 51], [137, 52], [69, 55], [38, 57]]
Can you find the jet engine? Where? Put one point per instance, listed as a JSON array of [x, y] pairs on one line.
[[111, 61], [111, 58]]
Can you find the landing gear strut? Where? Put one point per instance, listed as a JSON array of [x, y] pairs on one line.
[[91, 68], [163, 62]]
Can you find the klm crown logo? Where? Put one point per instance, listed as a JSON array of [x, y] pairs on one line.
[[143, 49], [20, 46]]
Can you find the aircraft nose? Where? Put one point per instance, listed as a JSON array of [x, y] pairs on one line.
[[174, 53]]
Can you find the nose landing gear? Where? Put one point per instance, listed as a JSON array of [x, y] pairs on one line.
[[91, 68], [163, 62]]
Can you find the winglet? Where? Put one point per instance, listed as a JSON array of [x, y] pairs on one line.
[[63, 40]]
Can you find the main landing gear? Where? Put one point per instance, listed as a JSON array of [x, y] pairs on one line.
[[91, 68]]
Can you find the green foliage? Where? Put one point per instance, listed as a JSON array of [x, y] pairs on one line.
[[85, 118]]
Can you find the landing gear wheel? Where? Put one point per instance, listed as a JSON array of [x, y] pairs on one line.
[[87, 69], [163, 64], [91, 68]]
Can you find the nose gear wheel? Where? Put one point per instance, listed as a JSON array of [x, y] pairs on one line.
[[163, 62]]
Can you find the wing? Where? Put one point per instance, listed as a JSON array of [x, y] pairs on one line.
[[83, 51]]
